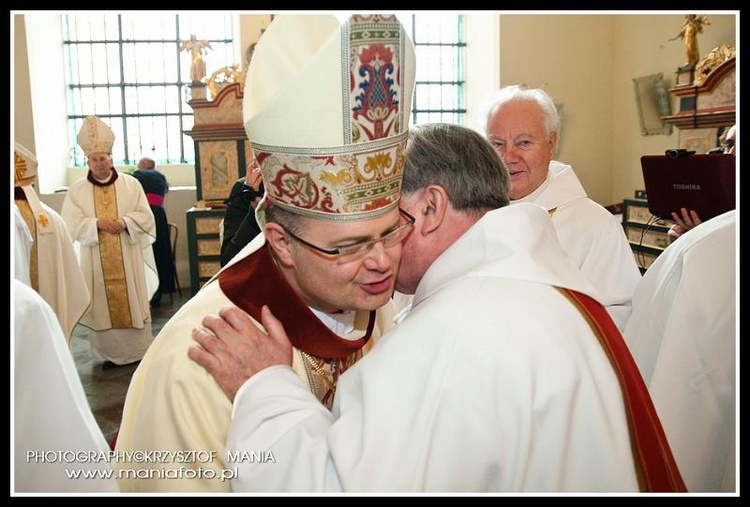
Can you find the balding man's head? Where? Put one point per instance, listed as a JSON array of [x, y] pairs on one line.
[[146, 163]]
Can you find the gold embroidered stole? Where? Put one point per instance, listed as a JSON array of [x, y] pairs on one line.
[[322, 374], [654, 463], [110, 255], [28, 217]]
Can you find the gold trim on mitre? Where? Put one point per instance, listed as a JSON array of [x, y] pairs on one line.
[[24, 166], [326, 109], [335, 184], [95, 136]]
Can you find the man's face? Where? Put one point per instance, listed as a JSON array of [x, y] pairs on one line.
[[363, 284], [100, 165], [516, 130]]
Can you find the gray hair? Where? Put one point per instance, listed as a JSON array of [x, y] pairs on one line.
[[461, 161], [519, 93], [292, 222]]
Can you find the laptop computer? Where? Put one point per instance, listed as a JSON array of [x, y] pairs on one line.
[[704, 183]]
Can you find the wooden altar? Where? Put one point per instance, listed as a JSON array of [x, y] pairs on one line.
[[707, 104], [221, 155]]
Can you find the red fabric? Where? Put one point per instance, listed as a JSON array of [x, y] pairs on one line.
[[256, 281], [113, 442], [655, 464], [155, 199]]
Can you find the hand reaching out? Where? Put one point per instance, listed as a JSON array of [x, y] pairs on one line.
[[685, 221], [232, 348]]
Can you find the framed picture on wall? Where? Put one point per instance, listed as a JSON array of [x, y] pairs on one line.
[[652, 102]]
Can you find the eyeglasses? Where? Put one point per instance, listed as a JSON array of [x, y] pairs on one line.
[[359, 251]]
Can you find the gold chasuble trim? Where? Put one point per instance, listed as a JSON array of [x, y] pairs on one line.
[[110, 255], [28, 217], [323, 374], [655, 465]]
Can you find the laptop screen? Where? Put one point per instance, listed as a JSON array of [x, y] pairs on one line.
[[704, 183]]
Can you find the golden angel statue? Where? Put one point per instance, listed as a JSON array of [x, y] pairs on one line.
[[690, 29], [197, 49]]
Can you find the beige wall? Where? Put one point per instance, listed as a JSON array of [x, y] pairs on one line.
[[23, 129], [573, 64], [587, 62]]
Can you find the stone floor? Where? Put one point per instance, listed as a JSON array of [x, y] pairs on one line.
[[106, 389]]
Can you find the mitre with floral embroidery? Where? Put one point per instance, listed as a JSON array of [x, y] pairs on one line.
[[326, 108]]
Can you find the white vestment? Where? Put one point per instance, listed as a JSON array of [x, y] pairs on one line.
[[22, 243], [55, 434], [592, 237], [121, 343], [494, 382], [682, 335], [57, 271], [172, 404]]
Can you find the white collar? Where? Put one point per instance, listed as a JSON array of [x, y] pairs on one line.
[[341, 323]]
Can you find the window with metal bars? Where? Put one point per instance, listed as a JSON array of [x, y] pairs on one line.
[[128, 70], [439, 45]]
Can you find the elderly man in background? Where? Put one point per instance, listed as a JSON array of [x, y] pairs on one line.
[[108, 214], [522, 124]]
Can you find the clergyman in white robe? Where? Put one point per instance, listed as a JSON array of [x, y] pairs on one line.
[[54, 269], [475, 390], [683, 335], [120, 316], [55, 435]]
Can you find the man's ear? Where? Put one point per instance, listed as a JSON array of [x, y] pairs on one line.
[[280, 242], [434, 205], [553, 138]]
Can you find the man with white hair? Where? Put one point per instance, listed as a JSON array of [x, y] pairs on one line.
[[522, 124]]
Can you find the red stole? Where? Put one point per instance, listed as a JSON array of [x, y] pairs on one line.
[[256, 281], [656, 468]]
